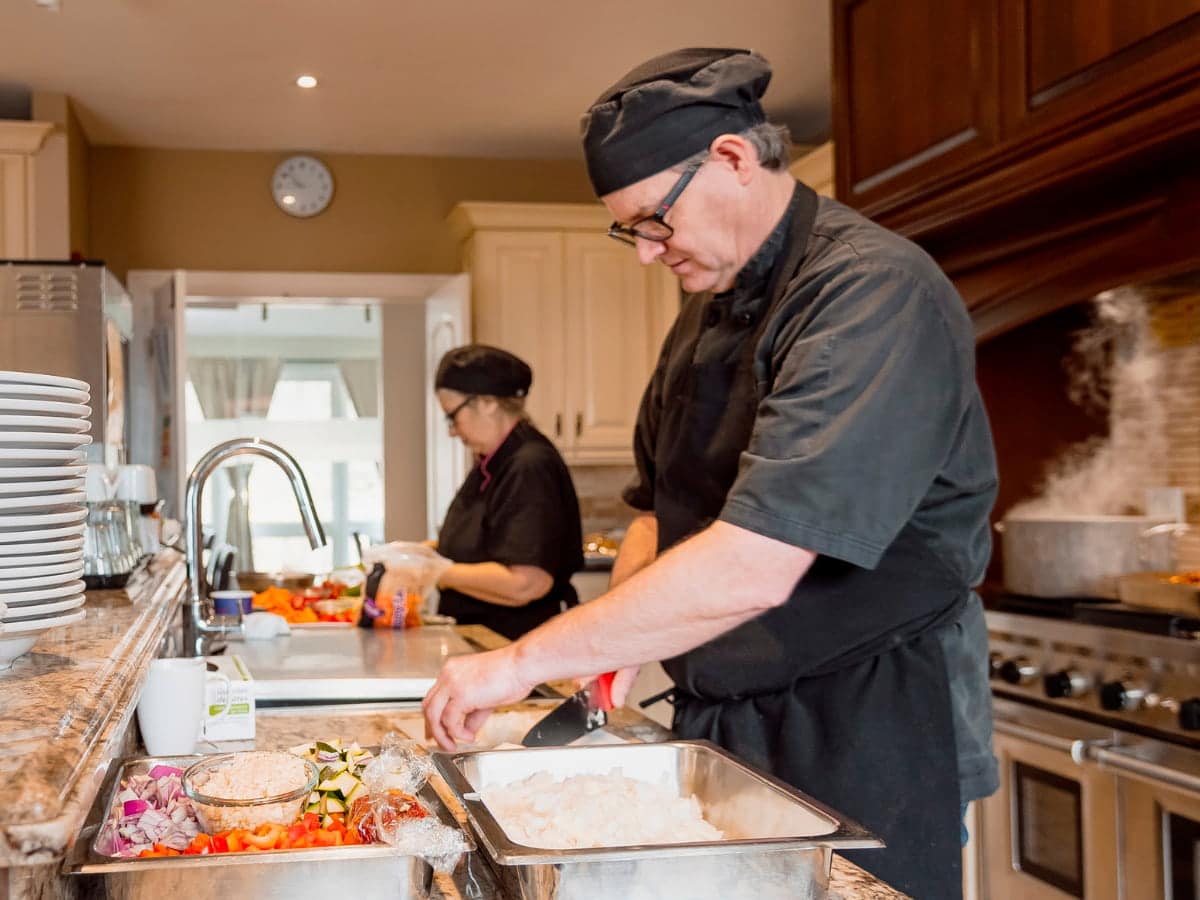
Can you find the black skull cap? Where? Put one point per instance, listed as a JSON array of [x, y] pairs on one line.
[[481, 369], [669, 108]]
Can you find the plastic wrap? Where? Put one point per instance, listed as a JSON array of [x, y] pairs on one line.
[[402, 575], [392, 813]]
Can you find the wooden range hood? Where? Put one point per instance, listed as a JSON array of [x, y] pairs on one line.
[[1041, 151]]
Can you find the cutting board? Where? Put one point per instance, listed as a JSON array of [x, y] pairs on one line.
[[349, 664]]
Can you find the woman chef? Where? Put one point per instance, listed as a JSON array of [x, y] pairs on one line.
[[513, 529]]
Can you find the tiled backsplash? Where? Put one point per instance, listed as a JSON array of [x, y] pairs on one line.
[[599, 489]]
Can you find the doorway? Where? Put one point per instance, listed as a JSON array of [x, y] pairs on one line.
[[336, 369]]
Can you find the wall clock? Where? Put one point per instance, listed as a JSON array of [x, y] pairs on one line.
[[302, 186]]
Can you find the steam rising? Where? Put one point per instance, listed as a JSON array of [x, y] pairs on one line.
[[1116, 364]]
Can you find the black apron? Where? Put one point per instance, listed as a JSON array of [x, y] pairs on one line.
[[842, 691]]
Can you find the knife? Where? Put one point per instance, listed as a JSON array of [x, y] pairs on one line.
[[582, 712]]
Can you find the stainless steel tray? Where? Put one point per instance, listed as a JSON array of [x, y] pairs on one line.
[[782, 845], [374, 870]]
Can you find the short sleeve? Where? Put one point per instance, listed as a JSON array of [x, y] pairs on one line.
[[858, 421], [527, 514]]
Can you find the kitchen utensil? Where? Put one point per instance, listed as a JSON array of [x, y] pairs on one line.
[[582, 712], [33, 502], [17, 638], [220, 813], [780, 841], [170, 711], [43, 423], [26, 407], [37, 378], [39, 486], [373, 870], [57, 592], [1070, 556]]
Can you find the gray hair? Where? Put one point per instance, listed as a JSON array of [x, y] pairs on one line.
[[770, 142]]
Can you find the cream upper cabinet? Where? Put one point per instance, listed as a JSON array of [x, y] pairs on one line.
[[815, 169], [550, 286], [19, 144]]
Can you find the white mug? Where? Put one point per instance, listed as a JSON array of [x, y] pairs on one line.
[[170, 712]]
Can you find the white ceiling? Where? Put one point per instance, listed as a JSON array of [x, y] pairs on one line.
[[493, 78]]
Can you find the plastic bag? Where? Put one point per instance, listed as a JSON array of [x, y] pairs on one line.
[[401, 574], [392, 813]]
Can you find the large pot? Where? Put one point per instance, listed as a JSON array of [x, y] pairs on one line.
[[1070, 556]]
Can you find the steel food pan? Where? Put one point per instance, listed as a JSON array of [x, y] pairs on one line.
[[780, 841], [374, 870]]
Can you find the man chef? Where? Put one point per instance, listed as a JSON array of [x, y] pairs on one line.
[[814, 476]]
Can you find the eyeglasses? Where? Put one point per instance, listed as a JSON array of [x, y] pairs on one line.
[[653, 228], [453, 414]]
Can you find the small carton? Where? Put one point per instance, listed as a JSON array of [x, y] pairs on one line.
[[236, 724]]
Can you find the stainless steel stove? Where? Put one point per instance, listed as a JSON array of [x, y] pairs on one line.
[[1097, 717]]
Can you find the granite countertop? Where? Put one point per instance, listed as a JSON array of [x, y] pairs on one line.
[[281, 728], [66, 707]]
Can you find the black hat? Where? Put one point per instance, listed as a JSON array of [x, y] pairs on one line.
[[668, 109], [480, 369]]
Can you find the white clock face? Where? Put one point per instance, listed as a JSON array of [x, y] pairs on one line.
[[302, 186]]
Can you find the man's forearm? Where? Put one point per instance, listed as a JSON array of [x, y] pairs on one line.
[[711, 583]]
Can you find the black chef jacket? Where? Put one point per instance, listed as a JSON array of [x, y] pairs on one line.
[[517, 508], [829, 401]]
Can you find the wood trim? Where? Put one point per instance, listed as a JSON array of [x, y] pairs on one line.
[[466, 218], [1107, 137], [23, 137]]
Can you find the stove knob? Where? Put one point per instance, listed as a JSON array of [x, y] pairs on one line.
[[995, 660], [1189, 714], [1116, 695], [1065, 683], [1019, 671]]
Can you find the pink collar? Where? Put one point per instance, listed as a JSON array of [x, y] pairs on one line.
[[484, 460]]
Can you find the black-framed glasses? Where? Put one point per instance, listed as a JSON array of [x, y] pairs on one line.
[[453, 414], [653, 228]]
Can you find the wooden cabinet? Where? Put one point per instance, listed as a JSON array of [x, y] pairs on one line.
[[19, 144], [552, 287], [916, 92], [943, 111]]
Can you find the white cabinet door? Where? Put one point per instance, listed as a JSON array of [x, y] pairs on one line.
[[609, 320], [517, 279]]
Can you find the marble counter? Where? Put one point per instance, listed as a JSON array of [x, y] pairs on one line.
[[65, 710]]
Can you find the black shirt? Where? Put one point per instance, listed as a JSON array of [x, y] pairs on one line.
[[517, 508], [867, 422]]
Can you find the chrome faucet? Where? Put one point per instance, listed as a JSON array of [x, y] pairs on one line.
[[198, 620]]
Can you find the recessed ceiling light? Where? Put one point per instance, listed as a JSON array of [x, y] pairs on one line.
[[307, 81], [289, 199]]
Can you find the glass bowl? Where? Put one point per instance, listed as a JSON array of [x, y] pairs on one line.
[[256, 774]]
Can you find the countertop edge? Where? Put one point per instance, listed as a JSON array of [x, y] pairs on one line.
[[46, 841]]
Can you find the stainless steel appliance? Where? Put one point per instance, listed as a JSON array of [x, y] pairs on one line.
[[1097, 714], [73, 319]]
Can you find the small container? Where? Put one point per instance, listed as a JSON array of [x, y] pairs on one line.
[[222, 813], [232, 603]]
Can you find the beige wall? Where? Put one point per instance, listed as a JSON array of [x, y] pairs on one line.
[[200, 209], [78, 151]]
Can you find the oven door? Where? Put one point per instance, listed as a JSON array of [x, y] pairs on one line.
[[1158, 792], [1050, 832]]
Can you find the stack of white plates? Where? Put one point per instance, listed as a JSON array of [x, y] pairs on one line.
[[44, 425]]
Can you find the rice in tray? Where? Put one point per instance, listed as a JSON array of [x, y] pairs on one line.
[[595, 811]]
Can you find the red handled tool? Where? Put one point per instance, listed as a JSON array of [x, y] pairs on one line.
[[582, 712]]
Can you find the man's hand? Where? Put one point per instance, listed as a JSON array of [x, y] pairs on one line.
[[623, 683], [466, 691]]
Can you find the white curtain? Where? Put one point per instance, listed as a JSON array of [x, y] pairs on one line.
[[236, 389], [362, 383]]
